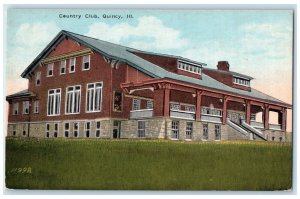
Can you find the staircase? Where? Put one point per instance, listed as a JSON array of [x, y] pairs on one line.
[[245, 129]]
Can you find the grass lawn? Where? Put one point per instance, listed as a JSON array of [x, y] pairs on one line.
[[147, 165]]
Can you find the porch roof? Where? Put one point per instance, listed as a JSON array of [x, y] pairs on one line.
[[21, 94]]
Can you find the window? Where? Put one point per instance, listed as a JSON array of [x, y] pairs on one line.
[[24, 129], [53, 107], [26, 107], [86, 62], [63, 67], [239, 81], [38, 78], [94, 97], [175, 106], [175, 130], [14, 130], [149, 104], [76, 129], [36, 106], [98, 126], [73, 100], [87, 129], [273, 138], [217, 132], [55, 134], [141, 129], [47, 130], [189, 130], [50, 70], [72, 63], [15, 108], [189, 68], [67, 129], [205, 131], [136, 104], [117, 101], [280, 139]]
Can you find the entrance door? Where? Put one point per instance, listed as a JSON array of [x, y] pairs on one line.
[[116, 129]]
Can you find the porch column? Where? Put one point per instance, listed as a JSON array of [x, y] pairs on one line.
[[198, 105], [167, 100], [283, 119], [266, 116], [248, 111], [158, 102], [224, 110]]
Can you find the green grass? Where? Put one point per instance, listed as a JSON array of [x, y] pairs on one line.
[[147, 165]]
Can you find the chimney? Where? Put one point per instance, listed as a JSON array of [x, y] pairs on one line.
[[223, 65]]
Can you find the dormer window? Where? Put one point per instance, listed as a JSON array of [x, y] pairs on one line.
[[189, 67], [50, 70], [241, 81]]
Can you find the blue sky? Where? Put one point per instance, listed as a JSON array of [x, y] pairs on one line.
[[257, 43]]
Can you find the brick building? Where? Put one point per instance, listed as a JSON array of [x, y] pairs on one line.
[[84, 87]]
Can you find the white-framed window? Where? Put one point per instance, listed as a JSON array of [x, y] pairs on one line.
[[76, 129], [205, 132], [189, 108], [86, 62], [239, 81], [73, 99], [16, 108], [47, 130], [136, 104], [72, 64], [189, 68], [217, 132], [141, 129], [14, 130], [87, 129], [26, 107], [38, 78], [63, 65], [55, 134], [94, 97], [175, 130], [54, 99], [36, 106], [189, 130], [98, 126], [149, 104], [175, 106], [50, 69], [67, 129]]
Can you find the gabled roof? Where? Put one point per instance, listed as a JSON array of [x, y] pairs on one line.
[[20, 94], [122, 53]]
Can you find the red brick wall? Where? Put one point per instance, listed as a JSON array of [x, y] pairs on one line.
[[133, 75], [168, 63], [225, 78], [66, 46], [20, 117]]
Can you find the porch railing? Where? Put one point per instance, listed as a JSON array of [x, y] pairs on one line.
[[182, 114], [211, 114], [275, 127], [142, 113]]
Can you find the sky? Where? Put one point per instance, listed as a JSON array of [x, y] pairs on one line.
[[257, 43]]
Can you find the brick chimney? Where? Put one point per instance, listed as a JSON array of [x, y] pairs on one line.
[[223, 65]]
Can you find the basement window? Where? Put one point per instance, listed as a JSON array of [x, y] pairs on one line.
[[205, 132], [87, 129], [175, 130], [141, 129], [98, 125], [67, 129], [86, 62], [36, 106], [55, 134], [14, 130], [47, 130], [76, 129], [217, 132], [189, 130]]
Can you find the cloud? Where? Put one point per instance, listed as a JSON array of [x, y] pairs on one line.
[[149, 33]]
